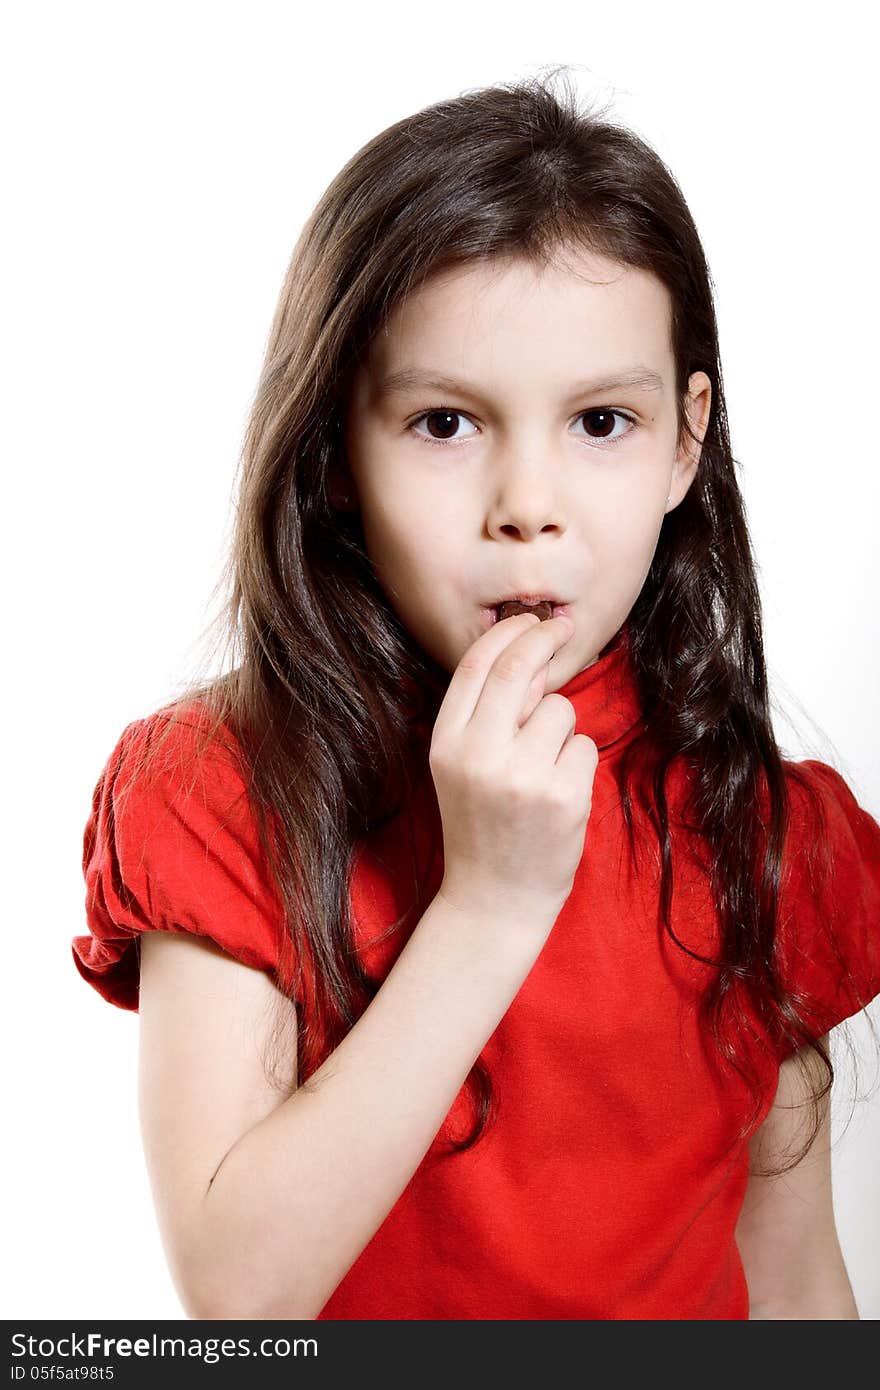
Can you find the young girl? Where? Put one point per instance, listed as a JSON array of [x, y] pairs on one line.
[[485, 945]]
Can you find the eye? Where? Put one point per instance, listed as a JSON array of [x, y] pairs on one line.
[[606, 418], [444, 418]]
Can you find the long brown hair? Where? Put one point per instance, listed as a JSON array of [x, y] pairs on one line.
[[324, 675]]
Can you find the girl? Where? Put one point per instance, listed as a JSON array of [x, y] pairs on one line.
[[485, 945]]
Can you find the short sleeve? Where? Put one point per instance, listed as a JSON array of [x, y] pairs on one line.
[[829, 902], [172, 849]]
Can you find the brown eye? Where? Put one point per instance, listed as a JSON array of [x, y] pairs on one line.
[[601, 423], [441, 424], [601, 420]]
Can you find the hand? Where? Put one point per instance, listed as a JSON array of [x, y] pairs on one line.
[[514, 782]]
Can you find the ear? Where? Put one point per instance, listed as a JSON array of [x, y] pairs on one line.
[[698, 404]]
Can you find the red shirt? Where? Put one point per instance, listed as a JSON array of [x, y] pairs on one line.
[[606, 1187]]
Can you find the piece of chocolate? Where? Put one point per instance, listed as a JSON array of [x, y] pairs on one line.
[[544, 610]]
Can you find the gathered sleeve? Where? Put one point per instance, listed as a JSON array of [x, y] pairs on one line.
[[829, 904], [173, 849]]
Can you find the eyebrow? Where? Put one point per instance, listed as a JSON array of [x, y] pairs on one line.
[[637, 378]]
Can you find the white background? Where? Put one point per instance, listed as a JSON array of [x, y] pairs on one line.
[[159, 163]]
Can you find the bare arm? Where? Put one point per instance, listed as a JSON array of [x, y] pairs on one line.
[[264, 1206], [786, 1233]]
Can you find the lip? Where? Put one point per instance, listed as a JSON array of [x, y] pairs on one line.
[[521, 597], [490, 618]]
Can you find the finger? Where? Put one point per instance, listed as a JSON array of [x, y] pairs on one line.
[[469, 676], [507, 682], [534, 696], [553, 722], [578, 758]]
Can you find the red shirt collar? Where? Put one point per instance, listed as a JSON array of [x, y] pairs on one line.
[[605, 695]]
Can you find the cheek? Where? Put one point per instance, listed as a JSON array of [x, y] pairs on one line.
[[624, 547], [386, 525], [411, 552], [425, 525]]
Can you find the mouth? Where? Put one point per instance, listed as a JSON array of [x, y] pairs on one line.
[[545, 605]]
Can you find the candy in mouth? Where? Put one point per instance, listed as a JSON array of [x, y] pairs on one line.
[[544, 609]]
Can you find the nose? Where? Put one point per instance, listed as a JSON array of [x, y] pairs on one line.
[[525, 505]]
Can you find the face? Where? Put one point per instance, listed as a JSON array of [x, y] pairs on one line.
[[515, 475]]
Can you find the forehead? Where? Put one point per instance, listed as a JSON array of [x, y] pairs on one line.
[[577, 315]]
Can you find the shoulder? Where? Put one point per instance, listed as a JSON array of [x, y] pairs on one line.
[[174, 781], [829, 831], [828, 944], [178, 757], [172, 843], [175, 741], [816, 786]]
